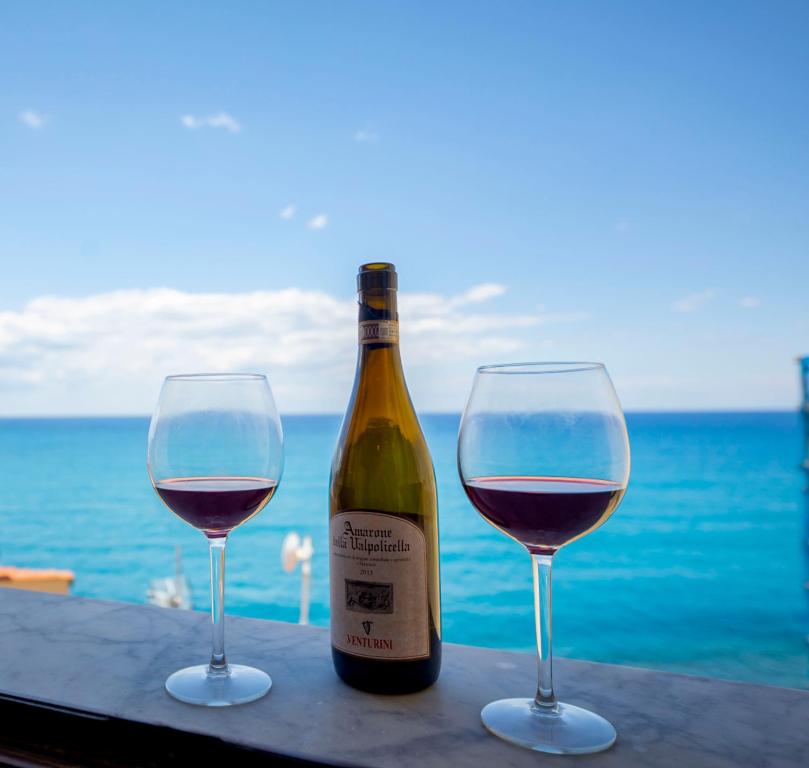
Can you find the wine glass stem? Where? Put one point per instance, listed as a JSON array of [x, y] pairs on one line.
[[545, 697], [219, 664]]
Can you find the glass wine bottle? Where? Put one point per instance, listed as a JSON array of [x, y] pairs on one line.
[[383, 533]]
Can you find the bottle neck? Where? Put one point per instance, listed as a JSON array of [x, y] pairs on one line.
[[378, 321], [380, 383]]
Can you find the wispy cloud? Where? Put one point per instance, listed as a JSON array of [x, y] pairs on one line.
[[34, 120], [287, 212], [479, 293], [750, 302], [108, 352], [321, 221], [366, 135], [694, 301], [622, 226], [217, 120]]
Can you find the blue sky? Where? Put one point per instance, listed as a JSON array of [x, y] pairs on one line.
[[620, 181]]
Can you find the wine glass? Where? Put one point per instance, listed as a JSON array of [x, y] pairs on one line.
[[215, 458], [543, 455]]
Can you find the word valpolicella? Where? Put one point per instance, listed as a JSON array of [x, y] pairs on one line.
[[383, 532]]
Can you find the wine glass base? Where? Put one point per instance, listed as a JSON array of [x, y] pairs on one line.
[[567, 730], [194, 685]]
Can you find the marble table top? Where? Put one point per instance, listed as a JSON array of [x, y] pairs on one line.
[[113, 658]]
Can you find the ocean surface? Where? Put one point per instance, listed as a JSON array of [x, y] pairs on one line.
[[701, 569]]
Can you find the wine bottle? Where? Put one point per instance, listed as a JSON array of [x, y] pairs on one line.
[[383, 510]]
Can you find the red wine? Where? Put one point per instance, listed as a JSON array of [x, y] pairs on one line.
[[544, 513], [215, 505]]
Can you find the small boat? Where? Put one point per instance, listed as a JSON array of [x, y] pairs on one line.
[[171, 591], [36, 579]]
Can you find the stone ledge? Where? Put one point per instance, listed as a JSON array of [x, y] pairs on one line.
[[111, 659]]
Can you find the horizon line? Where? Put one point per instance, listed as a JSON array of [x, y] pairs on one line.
[[674, 411]]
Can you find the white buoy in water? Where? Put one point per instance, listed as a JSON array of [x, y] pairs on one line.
[[295, 550]]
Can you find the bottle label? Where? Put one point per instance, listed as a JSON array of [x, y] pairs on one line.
[[378, 573], [379, 332]]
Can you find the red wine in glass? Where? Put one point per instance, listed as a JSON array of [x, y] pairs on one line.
[[543, 454], [544, 513], [215, 458], [215, 505]]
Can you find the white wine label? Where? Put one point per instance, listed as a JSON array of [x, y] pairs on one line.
[[379, 332], [378, 572]]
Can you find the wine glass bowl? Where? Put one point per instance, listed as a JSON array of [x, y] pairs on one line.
[[543, 455], [544, 513], [215, 458]]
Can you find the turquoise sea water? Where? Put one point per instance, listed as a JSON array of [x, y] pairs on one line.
[[700, 570]]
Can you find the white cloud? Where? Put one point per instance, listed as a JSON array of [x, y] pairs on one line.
[[750, 302], [108, 352], [480, 293], [366, 135], [288, 212], [34, 120], [694, 301], [321, 221], [217, 120], [484, 292]]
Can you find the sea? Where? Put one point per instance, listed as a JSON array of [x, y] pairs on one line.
[[701, 570]]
